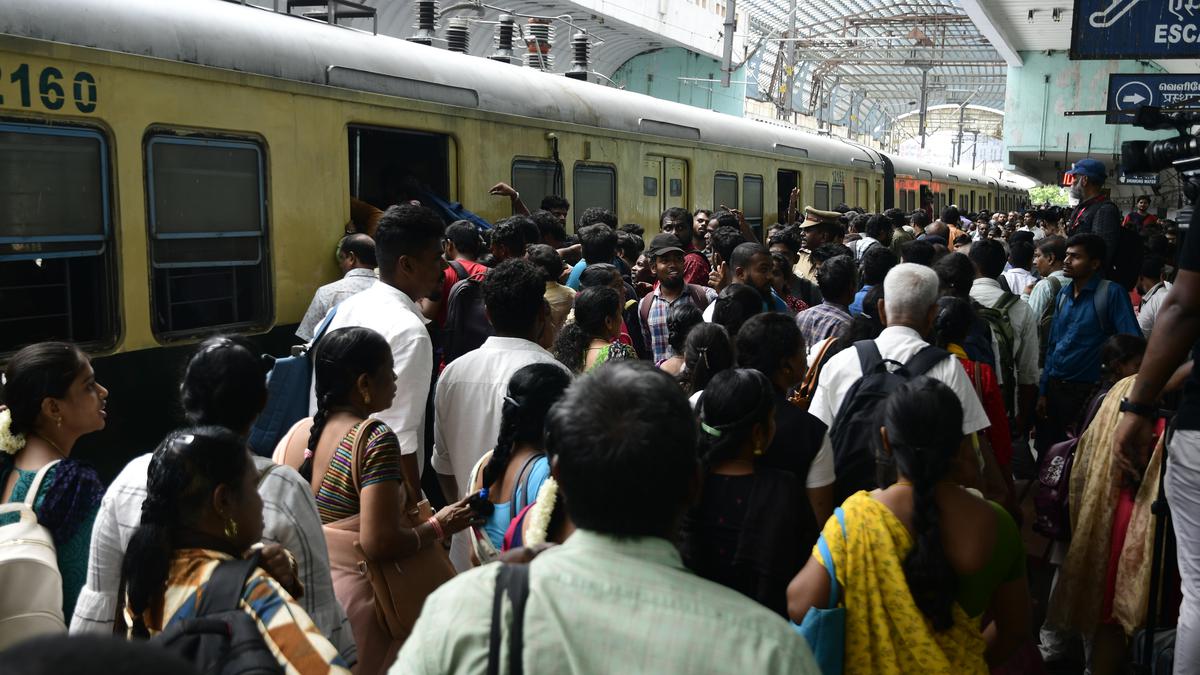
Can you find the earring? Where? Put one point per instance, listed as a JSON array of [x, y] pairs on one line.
[[367, 398], [58, 422], [230, 528], [759, 451]]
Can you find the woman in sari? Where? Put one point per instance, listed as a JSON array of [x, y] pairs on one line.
[[355, 379], [920, 562]]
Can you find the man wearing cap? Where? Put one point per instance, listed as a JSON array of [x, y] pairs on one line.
[[679, 222], [1095, 214], [819, 227], [666, 256]]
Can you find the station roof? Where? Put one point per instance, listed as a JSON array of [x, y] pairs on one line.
[[865, 58]]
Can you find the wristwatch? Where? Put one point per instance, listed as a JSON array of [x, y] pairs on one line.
[[1140, 409]]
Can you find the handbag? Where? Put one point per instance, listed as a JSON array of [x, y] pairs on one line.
[[401, 586], [802, 396], [825, 629]]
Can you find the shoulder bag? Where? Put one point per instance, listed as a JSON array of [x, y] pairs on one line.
[[401, 586]]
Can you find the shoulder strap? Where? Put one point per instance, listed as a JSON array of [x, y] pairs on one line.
[[513, 581], [1055, 283], [644, 307], [458, 270], [1007, 300], [320, 331], [360, 446], [1100, 303], [809, 385], [699, 297], [827, 555], [924, 360], [522, 478], [223, 590], [1061, 301], [31, 495], [868, 355]]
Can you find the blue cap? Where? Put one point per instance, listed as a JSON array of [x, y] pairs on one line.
[[1092, 168]]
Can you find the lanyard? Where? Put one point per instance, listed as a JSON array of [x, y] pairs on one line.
[[1083, 208]]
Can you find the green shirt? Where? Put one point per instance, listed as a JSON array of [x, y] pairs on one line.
[[598, 604]]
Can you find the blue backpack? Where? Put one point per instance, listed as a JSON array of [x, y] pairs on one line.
[[288, 387], [825, 629]]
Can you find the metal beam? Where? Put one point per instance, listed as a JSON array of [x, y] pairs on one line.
[[991, 30], [727, 51]]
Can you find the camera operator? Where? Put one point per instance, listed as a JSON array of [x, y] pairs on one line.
[[1095, 213], [1176, 331]]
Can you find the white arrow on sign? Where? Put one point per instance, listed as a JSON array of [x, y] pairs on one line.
[[1134, 93]]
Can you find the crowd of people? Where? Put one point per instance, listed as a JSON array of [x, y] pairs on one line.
[[609, 452]]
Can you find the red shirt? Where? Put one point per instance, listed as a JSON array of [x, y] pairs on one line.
[[449, 278], [695, 268], [993, 405]]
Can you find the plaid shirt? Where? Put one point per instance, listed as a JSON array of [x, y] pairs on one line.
[[824, 320], [655, 329]]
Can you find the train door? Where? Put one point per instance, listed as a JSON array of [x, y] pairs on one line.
[[785, 181], [652, 201], [861, 196], [878, 196], [926, 199]]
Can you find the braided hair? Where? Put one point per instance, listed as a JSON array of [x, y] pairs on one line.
[[342, 356], [955, 317], [923, 419], [708, 351], [186, 468], [593, 306], [681, 319], [531, 392], [734, 402]]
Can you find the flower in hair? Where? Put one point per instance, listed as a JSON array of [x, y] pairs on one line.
[[541, 512], [10, 443]]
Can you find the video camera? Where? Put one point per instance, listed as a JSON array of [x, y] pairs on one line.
[[1181, 152]]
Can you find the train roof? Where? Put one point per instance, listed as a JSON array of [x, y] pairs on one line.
[[225, 35]]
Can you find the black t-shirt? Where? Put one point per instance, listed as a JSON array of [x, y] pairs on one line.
[[1189, 410]]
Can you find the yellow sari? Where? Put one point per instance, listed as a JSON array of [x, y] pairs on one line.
[[885, 632]]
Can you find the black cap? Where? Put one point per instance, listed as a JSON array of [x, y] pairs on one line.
[[664, 243]]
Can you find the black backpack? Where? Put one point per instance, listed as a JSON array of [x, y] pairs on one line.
[[855, 430], [467, 326], [1127, 261], [222, 639]]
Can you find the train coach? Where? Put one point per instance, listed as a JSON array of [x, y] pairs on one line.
[[171, 170]]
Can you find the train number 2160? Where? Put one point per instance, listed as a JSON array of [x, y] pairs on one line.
[[51, 88]]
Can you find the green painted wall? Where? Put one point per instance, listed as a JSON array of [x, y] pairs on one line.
[[1034, 108], [657, 74]]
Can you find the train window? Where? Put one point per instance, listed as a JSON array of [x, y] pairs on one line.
[[56, 258], [837, 195], [595, 185], [208, 225], [649, 186], [752, 202], [821, 195], [536, 179], [951, 198], [725, 190]]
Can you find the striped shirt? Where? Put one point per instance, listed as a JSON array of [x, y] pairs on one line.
[[823, 321], [286, 629], [655, 330], [338, 496]]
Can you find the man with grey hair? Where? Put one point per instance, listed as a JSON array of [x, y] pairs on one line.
[[908, 310]]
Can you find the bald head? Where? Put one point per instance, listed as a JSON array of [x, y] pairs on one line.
[[356, 251], [938, 229]]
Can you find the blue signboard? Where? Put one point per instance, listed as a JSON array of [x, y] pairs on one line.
[[1132, 91], [1136, 29]]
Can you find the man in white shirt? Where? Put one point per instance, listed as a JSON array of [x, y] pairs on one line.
[[988, 257], [408, 246], [1154, 290], [910, 294], [1018, 277], [470, 392]]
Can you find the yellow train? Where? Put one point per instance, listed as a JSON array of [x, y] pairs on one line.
[[175, 169]]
